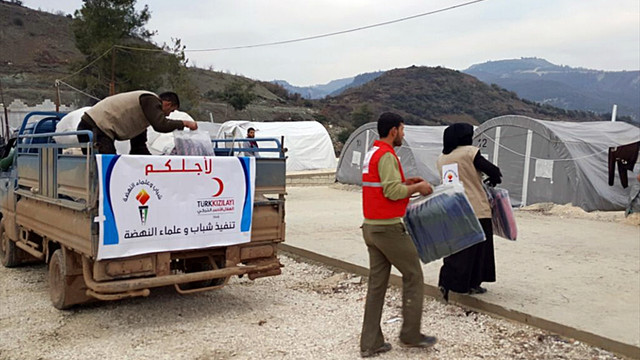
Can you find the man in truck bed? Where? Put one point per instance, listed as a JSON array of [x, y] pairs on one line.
[[126, 116]]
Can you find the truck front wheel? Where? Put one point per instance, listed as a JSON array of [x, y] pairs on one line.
[[8, 249]]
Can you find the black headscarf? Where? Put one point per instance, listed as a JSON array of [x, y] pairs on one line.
[[455, 135]]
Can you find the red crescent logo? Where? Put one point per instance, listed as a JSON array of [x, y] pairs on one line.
[[220, 186]]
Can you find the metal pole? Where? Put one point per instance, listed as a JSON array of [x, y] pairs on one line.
[[496, 146], [614, 113], [57, 96], [5, 129], [525, 176]]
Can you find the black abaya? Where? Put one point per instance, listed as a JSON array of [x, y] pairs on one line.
[[472, 266]]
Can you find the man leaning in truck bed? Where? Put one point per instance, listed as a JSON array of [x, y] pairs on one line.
[[126, 116]]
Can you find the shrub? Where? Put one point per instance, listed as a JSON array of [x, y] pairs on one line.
[[343, 135]]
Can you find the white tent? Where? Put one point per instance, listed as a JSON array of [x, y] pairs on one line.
[[308, 143], [418, 154]]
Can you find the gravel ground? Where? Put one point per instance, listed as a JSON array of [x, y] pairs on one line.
[[309, 312]]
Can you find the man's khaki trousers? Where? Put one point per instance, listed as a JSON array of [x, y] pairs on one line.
[[391, 245]]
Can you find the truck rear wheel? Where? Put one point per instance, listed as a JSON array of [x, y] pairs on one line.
[[8, 249], [202, 264], [65, 290], [57, 275]]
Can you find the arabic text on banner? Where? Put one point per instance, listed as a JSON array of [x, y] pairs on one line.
[[166, 203]]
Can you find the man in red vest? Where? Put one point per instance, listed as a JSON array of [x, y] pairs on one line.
[[385, 195]]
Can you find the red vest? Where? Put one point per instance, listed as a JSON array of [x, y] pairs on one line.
[[374, 204]]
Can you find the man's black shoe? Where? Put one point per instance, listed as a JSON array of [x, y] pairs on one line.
[[426, 342], [382, 349]]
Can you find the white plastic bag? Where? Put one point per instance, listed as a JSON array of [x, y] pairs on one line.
[[193, 143]]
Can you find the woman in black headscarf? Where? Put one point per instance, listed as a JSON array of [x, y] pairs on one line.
[[465, 271]]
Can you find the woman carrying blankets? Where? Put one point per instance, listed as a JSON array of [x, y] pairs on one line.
[[465, 271]]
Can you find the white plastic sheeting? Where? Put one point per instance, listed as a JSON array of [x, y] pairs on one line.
[[180, 115], [69, 123], [308, 142]]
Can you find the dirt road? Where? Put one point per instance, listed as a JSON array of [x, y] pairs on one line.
[[312, 312], [309, 312], [567, 266]]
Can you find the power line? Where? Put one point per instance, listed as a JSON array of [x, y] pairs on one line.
[[137, 48], [319, 36], [89, 64], [283, 41], [78, 90]]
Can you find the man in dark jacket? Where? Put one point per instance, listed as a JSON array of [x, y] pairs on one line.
[[126, 116]]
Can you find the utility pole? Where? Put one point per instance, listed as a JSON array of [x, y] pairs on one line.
[[57, 96], [112, 85]]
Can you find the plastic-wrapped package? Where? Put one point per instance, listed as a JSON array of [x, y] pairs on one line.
[[502, 219], [443, 223], [193, 143]]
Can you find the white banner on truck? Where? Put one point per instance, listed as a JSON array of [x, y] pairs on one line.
[[152, 204]]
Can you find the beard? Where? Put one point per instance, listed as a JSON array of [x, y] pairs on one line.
[[397, 141]]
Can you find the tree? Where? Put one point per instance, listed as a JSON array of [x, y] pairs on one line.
[[361, 116], [179, 81], [343, 135], [238, 95], [276, 89], [102, 24]]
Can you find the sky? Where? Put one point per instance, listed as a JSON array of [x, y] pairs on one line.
[[593, 34]]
